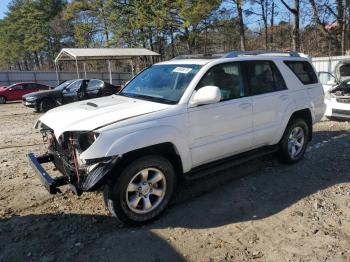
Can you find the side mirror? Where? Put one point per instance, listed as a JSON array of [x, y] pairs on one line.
[[206, 95], [10, 89]]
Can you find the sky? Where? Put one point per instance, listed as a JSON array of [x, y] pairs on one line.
[[3, 7]]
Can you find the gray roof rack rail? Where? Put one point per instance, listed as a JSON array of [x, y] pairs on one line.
[[199, 56], [233, 54], [260, 52]]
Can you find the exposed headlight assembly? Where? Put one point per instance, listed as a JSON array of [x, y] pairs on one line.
[[86, 139]]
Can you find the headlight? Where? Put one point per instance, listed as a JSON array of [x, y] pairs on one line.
[[86, 139], [30, 99]]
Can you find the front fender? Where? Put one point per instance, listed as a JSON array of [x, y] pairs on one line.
[[110, 144]]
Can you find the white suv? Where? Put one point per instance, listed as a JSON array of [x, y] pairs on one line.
[[181, 119]]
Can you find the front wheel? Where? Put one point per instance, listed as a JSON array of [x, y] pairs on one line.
[[46, 104], [294, 142], [2, 100], [142, 190]]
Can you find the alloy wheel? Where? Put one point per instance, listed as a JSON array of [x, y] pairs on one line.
[[296, 141], [146, 190]]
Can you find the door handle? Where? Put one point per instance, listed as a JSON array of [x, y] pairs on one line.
[[283, 97], [245, 105]]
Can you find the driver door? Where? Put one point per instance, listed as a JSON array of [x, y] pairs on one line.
[[70, 94], [225, 128]]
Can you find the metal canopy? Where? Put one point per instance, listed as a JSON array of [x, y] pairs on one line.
[[86, 54], [82, 54]]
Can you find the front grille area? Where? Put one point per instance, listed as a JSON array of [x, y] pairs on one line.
[[343, 100], [341, 112]]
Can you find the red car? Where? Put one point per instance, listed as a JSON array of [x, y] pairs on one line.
[[15, 92]]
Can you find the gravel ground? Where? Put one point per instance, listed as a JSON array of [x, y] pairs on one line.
[[261, 211]]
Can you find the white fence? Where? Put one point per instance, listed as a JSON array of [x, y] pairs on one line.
[[50, 78], [328, 63]]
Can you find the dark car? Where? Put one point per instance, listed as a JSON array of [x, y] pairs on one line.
[[16, 91], [67, 92]]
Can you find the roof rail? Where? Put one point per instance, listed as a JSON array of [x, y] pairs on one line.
[[200, 56], [233, 54], [260, 52]]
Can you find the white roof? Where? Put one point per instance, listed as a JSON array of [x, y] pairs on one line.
[[102, 53]]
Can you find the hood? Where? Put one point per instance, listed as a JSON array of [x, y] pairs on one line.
[[2, 88], [91, 114], [43, 93]]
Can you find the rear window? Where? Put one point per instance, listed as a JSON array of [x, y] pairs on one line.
[[303, 70]]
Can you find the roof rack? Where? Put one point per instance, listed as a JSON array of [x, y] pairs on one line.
[[233, 54], [260, 52], [199, 56]]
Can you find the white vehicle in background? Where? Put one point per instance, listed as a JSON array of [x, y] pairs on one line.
[[336, 85], [181, 119]]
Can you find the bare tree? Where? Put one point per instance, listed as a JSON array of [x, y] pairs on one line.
[[296, 27], [239, 4]]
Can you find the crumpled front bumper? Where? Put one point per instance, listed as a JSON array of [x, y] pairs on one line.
[[91, 179], [51, 184]]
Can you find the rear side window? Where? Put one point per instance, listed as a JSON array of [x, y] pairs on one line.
[[303, 70], [263, 77]]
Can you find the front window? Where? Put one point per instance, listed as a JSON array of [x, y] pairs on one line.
[[64, 85], [161, 83]]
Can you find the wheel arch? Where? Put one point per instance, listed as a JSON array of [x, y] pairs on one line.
[[167, 150], [306, 115]]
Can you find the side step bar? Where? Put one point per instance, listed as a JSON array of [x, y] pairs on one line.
[[227, 163]]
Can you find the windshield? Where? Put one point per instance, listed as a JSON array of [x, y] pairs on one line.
[[161, 83], [64, 85]]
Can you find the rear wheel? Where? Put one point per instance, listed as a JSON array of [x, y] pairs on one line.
[[142, 191], [46, 104], [2, 100], [294, 141]]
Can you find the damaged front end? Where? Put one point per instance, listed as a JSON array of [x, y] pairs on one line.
[[341, 93], [81, 175]]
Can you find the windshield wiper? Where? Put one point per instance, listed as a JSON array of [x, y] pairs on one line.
[[149, 98]]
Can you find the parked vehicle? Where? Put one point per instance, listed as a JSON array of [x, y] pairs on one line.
[[337, 100], [67, 92], [15, 92], [182, 118]]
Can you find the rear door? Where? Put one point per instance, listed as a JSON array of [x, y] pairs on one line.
[[93, 88], [225, 128], [270, 99]]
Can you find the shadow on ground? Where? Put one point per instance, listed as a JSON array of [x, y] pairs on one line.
[[270, 188]]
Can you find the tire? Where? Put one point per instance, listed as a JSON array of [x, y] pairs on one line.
[[2, 100], [46, 104], [135, 202], [294, 141]]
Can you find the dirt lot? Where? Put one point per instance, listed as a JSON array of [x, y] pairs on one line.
[[260, 211]]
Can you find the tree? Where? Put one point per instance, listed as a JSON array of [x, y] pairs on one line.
[[296, 27]]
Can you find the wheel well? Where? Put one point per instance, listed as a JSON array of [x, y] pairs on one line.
[[166, 150], [304, 114]]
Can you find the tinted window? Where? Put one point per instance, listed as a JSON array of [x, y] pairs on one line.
[[75, 86], [303, 70], [263, 77], [17, 87], [94, 84], [227, 77]]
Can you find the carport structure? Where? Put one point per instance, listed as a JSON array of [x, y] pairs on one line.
[[107, 54]]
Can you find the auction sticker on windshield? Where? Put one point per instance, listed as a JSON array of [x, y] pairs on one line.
[[182, 70]]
